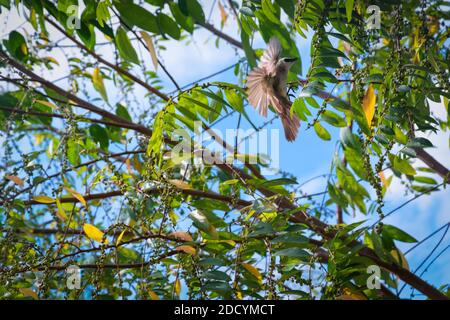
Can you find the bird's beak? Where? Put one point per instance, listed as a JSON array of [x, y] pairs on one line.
[[291, 60]]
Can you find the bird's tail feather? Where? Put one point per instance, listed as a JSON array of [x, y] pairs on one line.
[[290, 125]]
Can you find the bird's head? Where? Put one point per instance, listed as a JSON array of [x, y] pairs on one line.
[[287, 62]]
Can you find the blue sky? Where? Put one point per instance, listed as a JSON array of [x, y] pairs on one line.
[[308, 156]]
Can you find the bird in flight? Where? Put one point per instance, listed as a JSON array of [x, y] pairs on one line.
[[266, 85]]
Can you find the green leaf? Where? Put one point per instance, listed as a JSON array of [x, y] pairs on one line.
[[187, 23], [97, 81], [135, 15], [122, 112], [278, 182], [333, 118], [235, 100], [300, 109], [293, 252], [269, 11], [403, 166], [16, 45], [195, 10], [249, 53], [420, 143], [125, 47], [73, 151], [100, 135], [322, 132], [168, 26], [216, 105], [349, 9], [397, 234], [102, 12], [376, 77], [218, 286], [426, 180], [400, 136]]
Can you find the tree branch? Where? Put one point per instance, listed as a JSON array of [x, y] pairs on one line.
[[107, 63]]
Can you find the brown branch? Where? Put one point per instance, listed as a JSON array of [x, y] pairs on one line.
[[107, 63], [60, 116], [113, 266], [222, 35], [192, 192], [80, 102], [88, 163], [433, 164], [145, 46]]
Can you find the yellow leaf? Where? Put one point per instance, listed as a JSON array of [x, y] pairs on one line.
[[51, 59], [119, 238], [348, 294], [153, 295], [369, 104], [177, 287], [24, 48], [128, 163], [433, 25], [76, 195], [16, 180], [238, 294], [223, 14], [254, 271], [43, 199], [28, 292], [97, 81], [151, 48], [46, 103], [181, 235], [400, 258], [180, 184], [39, 138], [60, 213], [186, 249], [94, 233], [229, 242], [382, 178]]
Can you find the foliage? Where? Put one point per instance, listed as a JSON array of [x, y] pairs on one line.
[[96, 185]]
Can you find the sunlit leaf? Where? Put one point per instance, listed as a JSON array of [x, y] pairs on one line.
[[254, 271], [119, 238], [94, 233], [153, 295], [28, 292], [177, 287], [60, 212], [97, 81], [16, 180], [44, 199], [181, 235], [76, 195], [125, 47], [368, 104], [151, 48], [186, 249]]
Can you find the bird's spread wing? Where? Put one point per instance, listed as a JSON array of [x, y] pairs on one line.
[[260, 90], [260, 79], [271, 56]]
